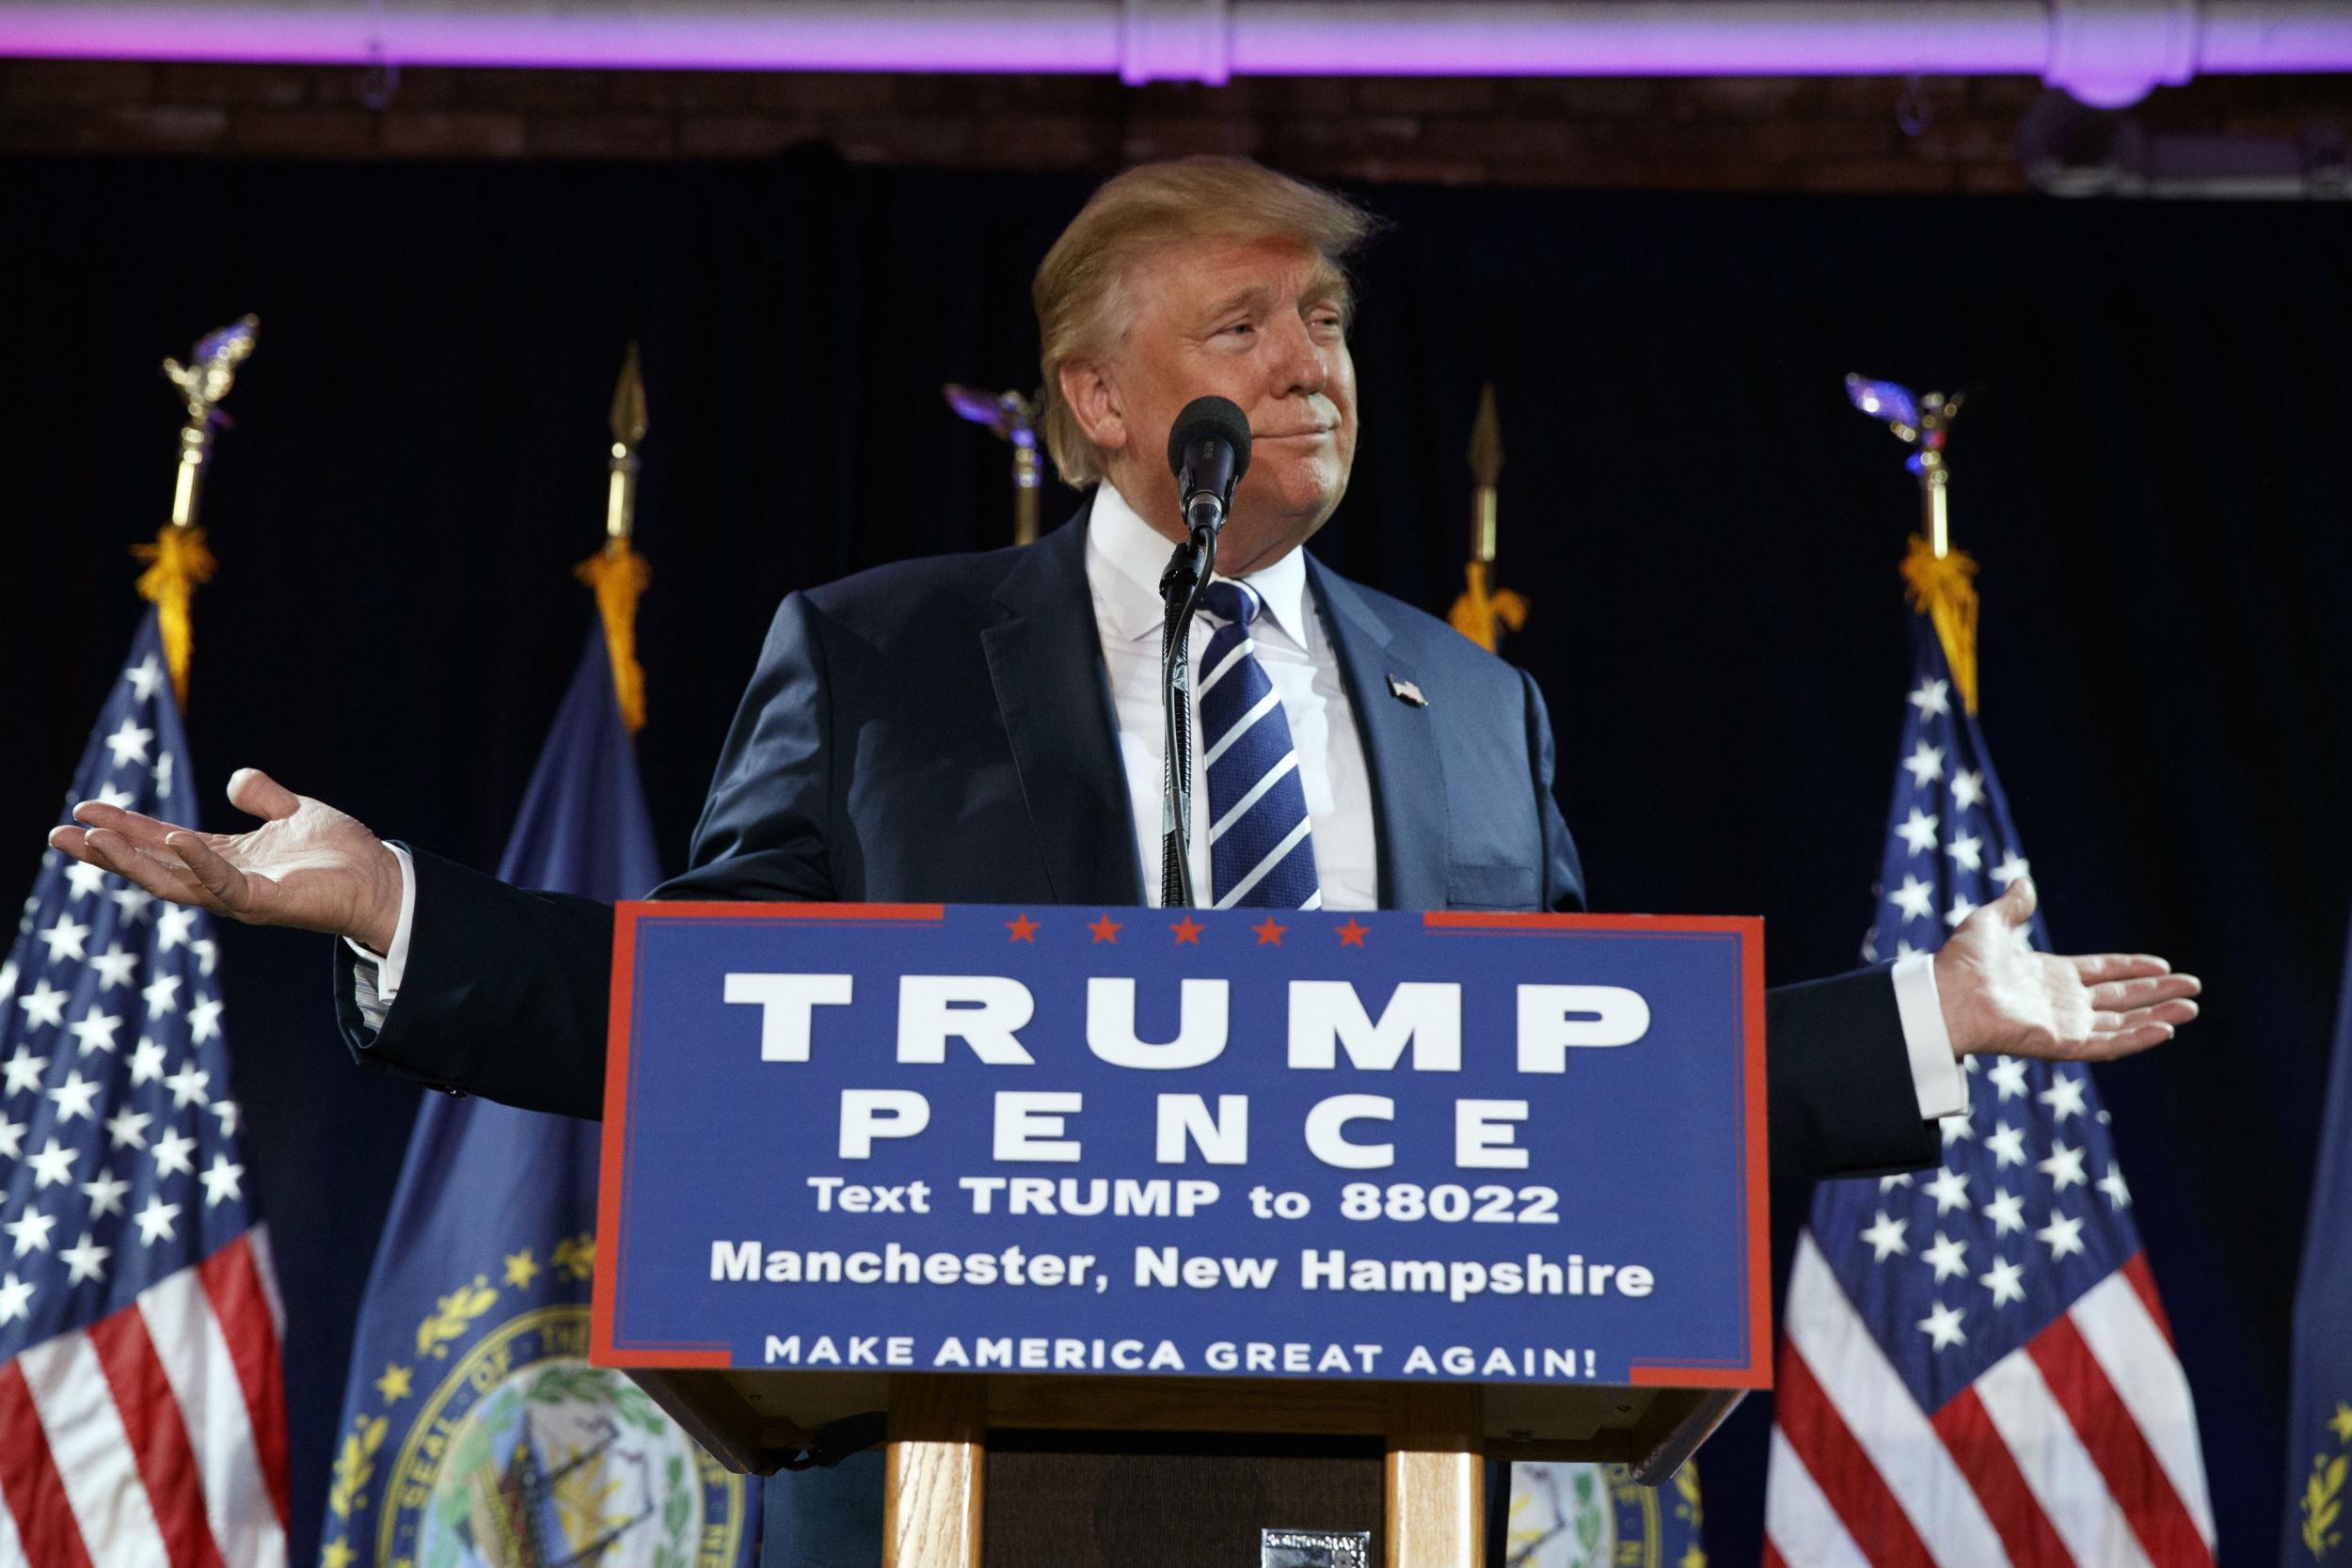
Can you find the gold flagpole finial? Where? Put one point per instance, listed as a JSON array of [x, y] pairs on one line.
[[1483, 613], [617, 572], [1942, 579], [1013, 417], [178, 560]]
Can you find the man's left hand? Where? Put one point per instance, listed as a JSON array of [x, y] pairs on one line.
[[1999, 995]]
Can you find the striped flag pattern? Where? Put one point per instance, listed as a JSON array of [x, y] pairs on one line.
[[142, 1418], [1975, 1370]]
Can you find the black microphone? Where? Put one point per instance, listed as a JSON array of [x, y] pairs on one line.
[[1208, 451]]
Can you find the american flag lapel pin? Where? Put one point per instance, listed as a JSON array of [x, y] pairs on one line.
[[1406, 691]]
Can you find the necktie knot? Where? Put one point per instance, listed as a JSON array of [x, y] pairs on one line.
[[1230, 602]]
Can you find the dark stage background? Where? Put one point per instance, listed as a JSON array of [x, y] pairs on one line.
[[2152, 479]]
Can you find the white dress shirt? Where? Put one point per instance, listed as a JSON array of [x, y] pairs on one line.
[[1124, 561]]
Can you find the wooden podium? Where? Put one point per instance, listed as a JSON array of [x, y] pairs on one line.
[[1599, 1041]]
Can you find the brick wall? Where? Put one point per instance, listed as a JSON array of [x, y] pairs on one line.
[[1727, 134]]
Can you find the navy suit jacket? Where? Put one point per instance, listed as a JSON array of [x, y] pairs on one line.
[[940, 731]]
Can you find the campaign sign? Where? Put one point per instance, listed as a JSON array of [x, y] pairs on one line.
[[1462, 1147]]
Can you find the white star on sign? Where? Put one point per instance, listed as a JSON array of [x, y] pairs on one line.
[[85, 1258], [174, 925], [1933, 699], [133, 902], [1914, 899], [2009, 869], [11, 1138], [129, 743], [54, 1165], [96, 1031], [2064, 1097], [1968, 787], [83, 878], [113, 967], [171, 1155], [188, 1084], [2064, 1167], [15, 1298], [1942, 1326], [65, 938], [44, 1003], [2002, 1279], [147, 1062], [2112, 1184], [204, 1019], [2007, 1145], [2064, 1235], [2009, 1074], [105, 1193], [1963, 907], [1967, 851], [127, 1127], [155, 1219], [23, 1070], [1950, 1189], [1926, 763], [73, 1098], [143, 678], [2006, 1212], [31, 1231], [220, 1180], [1945, 1256], [1885, 1237], [161, 994], [1919, 831]]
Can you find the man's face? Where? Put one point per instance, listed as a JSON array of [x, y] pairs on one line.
[[1263, 322]]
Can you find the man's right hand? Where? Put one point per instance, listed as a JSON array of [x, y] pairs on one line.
[[307, 865]]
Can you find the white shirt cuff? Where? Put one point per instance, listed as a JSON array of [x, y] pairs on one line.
[[391, 967], [1935, 1075]]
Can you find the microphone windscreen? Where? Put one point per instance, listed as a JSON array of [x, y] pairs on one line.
[[1212, 416]]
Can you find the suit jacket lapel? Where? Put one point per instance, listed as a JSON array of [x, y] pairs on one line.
[[1045, 661], [1400, 746]]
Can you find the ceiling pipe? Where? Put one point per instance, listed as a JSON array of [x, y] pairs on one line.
[[2108, 53]]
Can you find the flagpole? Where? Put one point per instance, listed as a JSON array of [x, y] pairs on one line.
[[617, 572], [1013, 417], [1942, 579], [1483, 613], [178, 560]]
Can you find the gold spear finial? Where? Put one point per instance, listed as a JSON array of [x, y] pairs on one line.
[[1481, 614], [1013, 417], [617, 572], [178, 560]]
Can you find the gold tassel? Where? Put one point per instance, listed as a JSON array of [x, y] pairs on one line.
[[619, 575], [1476, 611], [1943, 588], [178, 563]]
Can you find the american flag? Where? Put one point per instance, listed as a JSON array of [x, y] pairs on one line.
[[1975, 1370], [142, 1418]]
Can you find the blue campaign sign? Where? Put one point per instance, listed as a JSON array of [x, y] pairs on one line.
[[1468, 1146]]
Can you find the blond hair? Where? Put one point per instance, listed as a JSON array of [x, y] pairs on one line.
[[1079, 310]]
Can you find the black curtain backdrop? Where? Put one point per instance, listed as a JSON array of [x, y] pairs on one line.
[[2152, 478]]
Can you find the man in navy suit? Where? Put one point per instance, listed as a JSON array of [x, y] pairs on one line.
[[987, 728]]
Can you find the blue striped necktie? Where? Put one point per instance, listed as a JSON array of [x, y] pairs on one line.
[[1260, 854]]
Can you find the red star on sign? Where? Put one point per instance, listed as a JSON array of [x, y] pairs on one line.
[[1269, 934], [1351, 934], [1022, 928], [1104, 929], [1188, 930]]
